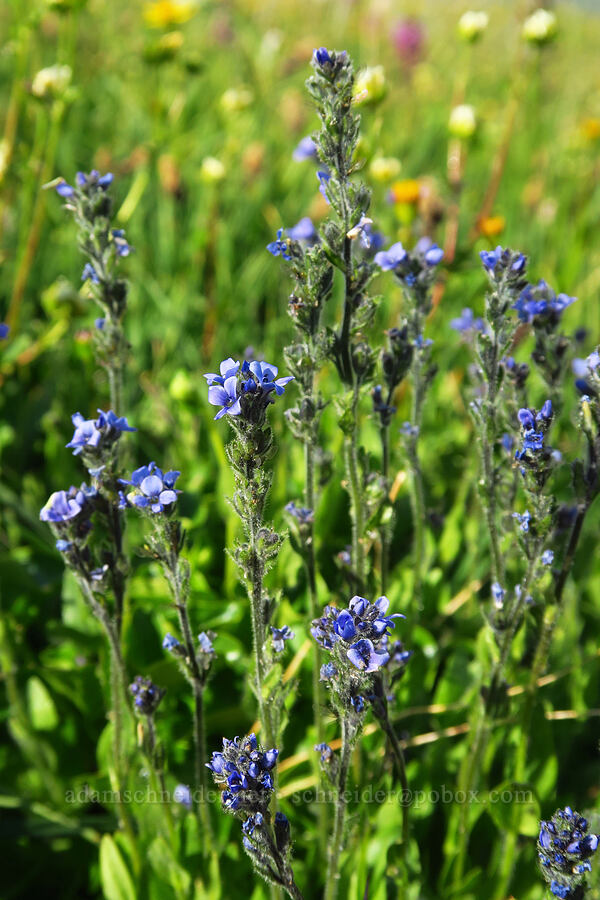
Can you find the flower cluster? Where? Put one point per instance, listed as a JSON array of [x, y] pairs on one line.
[[539, 305], [69, 515], [244, 391], [412, 268], [152, 490], [146, 695], [503, 265], [93, 437], [565, 846], [244, 770], [358, 640], [533, 441], [466, 323]]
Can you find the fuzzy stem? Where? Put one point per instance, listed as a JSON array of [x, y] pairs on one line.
[[337, 838], [356, 502], [551, 617], [385, 531]]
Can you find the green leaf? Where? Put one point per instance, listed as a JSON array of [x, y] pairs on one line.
[[42, 710], [117, 883], [515, 807]]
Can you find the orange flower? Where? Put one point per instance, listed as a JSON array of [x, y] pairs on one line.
[[406, 191], [492, 225]]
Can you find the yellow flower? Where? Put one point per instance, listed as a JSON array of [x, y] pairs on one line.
[[369, 85], [462, 122], [166, 13], [590, 128], [236, 99], [406, 191], [384, 168], [539, 27], [491, 226], [212, 169], [471, 25]]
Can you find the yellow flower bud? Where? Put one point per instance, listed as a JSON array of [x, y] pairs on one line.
[[236, 99], [491, 226], [384, 168], [166, 13], [369, 86]]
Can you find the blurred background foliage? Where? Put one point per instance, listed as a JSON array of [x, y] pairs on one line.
[[197, 109]]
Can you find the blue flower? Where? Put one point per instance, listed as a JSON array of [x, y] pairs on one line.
[[226, 397], [389, 259], [325, 751], [363, 655], [146, 695], [245, 770], [90, 273], [467, 322], [498, 594], [304, 230], [153, 490], [304, 515], [323, 177], [358, 703], [266, 377], [206, 644], [432, 254], [328, 671], [523, 520], [279, 247], [539, 301], [91, 433], [547, 557], [99, 323], [183, 796], [507, 442], [4, 331], [279, 636], [121, 245], [171, 643], [306, 149], [491, 259], [64, 506], [344, 626], [252, 822], [322, 56], [564, 847], [227, 368], [64, 189]]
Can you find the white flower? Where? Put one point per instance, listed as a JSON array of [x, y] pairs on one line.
[[212, 169], [51, 82], [462, 122], [539, 27], [471, 25]]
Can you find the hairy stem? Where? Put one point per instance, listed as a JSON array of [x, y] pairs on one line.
[[337, 838], [357, 512]]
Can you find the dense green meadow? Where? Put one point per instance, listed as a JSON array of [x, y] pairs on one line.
[[197, 110]]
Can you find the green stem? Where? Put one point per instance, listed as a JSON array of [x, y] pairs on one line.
[[551, 617], [317, 687], [385, 531], [337, 838], [357, 513], [417, 493]]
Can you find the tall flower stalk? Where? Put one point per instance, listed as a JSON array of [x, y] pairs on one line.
[[244, 394], [415, 271], [331, 88], [154, 494], [360, 656]]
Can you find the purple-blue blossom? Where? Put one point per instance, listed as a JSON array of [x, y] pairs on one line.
[[364, 656], [146, 695], [389, 259], [279, 636], [89, 273], [64, 506], [92, 433], [304, 230], [152, 489], [306, 149], [280, 246], [523, 519], [227, 368], [4, 331], [467, 322], [225, 396]]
